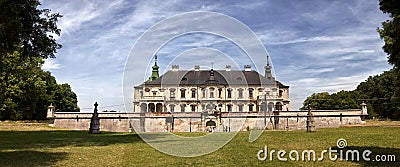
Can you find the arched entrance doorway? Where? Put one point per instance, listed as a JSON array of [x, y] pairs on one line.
[[210, 125], [152, 107], [159, 107]]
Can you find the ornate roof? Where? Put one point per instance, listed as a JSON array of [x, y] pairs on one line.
[[212, 77]]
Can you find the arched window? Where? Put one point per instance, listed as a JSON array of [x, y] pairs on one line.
[[251, 92], [263, 106], [229, 107], [251, 107], [172, 93], [270, 106], [183, 107], [240, 93], [183, 93], [193, 93], [278, 106], [193, 108], [240, 107], [229, 92], [152, 107], [211, 92], [143, 107], [280, 93]]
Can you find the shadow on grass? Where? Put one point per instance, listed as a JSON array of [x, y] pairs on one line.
[[52, 139], [24, 148], [30, 158], [390, 155]]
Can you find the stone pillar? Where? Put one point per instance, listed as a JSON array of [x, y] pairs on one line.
[[310, 120], [95, 121], [276, 119], [50, 115], [364, 112]]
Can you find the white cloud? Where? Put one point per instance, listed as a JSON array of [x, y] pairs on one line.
[[50, 64]]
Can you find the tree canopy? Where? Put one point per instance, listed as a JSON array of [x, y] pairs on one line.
[[25, 40], [390, 31], [377, 91]]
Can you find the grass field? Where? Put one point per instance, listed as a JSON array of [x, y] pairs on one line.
[[35, 144]]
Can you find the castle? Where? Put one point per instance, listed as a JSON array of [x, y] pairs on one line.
[[202, 90]]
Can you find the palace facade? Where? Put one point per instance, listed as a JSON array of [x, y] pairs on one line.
[[211, 90]]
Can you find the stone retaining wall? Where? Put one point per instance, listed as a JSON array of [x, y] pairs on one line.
[[196, 121]]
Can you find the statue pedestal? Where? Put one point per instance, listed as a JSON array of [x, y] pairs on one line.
[[310, 122], [95, 122]]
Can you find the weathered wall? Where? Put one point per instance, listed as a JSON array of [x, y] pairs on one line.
[[81, 121], [194, 122]]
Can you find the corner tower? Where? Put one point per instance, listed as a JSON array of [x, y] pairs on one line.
[[268, 73]]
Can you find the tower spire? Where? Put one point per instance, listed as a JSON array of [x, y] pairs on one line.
[[268, 73], [154, 72]]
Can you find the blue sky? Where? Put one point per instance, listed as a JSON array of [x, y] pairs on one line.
[[314, 46]]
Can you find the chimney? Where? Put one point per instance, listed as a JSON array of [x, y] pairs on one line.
[[247, 68], [228, 68], [175, 67], [196, 68]]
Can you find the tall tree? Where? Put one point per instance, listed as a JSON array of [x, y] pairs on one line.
[[390, 31], [26, 38]]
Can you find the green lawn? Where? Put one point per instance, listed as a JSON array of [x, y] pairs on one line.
[[35, 144]]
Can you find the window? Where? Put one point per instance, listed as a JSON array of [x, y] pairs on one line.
[[229, 93], [229, 107], [240, 95], [211, 92], [278, 106], [241, 108], [203, 91], [251, 107], [219, 93], [280, 93], [193, 93], [172, 92], [182, 93], [171, 108], [250, 93], [183, 107], [141, 93], [193, 108]]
